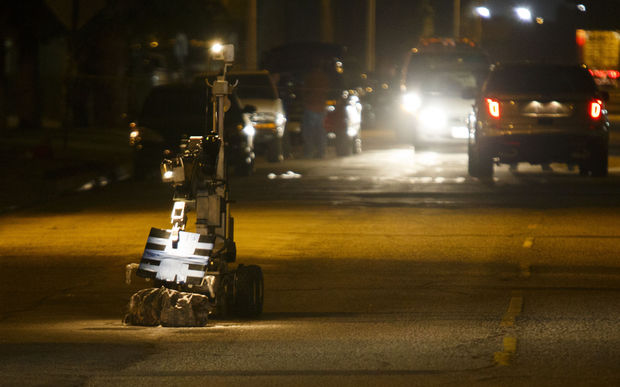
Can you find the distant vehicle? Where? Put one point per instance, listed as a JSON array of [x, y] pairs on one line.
[[433, 78], [290, 63], [171, 112], [257, 88], [539, 113], [600, 51]]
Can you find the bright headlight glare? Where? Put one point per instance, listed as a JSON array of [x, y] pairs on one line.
[[524, 14], [134, 134], [411, 102], [217, 48], [168, 175], [483, 12], [249, 130], [280, 119], [432, 117]]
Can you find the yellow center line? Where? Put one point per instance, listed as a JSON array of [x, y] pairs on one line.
[[525, 268], [527, 244], [509, 343], [514, 309], [509, 348]]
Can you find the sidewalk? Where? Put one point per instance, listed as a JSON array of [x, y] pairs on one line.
[[39, 165]]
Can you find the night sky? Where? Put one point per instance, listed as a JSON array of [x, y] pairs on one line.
[[399, 22]]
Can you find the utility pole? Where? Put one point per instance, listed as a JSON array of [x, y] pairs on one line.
[[3, 83], [251, 51], [370, 34], [69, 118], [428, 19], [327, 22], [476, 26], [456, 19]]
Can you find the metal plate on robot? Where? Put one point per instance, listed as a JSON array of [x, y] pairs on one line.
[[183, 262]]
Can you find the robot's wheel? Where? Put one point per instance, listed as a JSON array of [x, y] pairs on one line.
[[225, 297], [249, 289]]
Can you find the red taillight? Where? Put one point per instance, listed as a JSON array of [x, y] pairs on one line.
[[596, 108], [493, 107], [609, 74]]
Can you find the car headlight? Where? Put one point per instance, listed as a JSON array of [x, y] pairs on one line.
[[173, 171], [411, 102], [280, 119], [432, 117], [249, 130], [134, 137]]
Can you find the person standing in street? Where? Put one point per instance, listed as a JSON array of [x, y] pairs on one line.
[[315, 92]]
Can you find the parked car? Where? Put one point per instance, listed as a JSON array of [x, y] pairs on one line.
[[290, 64], [257, 89], [171, 112], [539, 113]]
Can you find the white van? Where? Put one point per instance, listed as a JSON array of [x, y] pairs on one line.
[[257, 88]]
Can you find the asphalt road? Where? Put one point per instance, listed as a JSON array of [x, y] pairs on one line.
[[387, 268]]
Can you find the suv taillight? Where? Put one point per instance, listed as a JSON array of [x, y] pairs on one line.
[[596, 108], [493, 107]]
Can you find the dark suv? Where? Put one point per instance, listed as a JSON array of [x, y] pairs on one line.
[[539, 113], [171, 112]]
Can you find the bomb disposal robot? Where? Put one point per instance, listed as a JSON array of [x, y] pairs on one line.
[[199, 262]]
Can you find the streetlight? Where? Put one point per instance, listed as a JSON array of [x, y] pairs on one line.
[[483, 12], [524, 14]]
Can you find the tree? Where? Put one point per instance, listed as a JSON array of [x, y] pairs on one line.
[[116, 49], [26, 25]]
